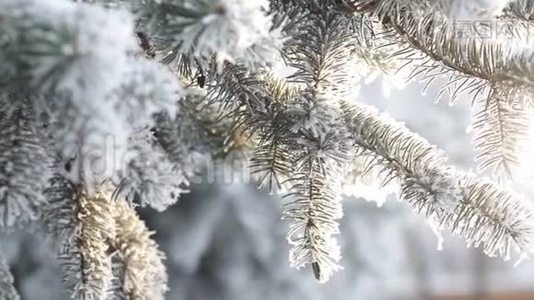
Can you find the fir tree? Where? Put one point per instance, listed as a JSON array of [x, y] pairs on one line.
[[111, 104]]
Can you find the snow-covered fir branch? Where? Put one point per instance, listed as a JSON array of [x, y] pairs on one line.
[[24, 164], [479, 64], [483, 212], [104, 248], [181, 85], [7, 288], [144, 274], [84, 257]]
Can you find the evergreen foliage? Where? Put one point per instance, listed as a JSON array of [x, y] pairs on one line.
[[104, 109]]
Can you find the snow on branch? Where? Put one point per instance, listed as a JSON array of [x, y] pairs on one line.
[[72, 72], [146, 88], [59, 47], [228, 29], [435, 43], [82, 79], [297, 144], [320, 49], [144, 274], [25, 164], [464, 10], [104, 248], [7, 287], [501, 128], [480, 211], [85, 254], [56, 53], [440, 39], [314, 137], [521, 10], [149, 177]]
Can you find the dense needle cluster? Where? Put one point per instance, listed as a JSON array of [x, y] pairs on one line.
[[110, 104]]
